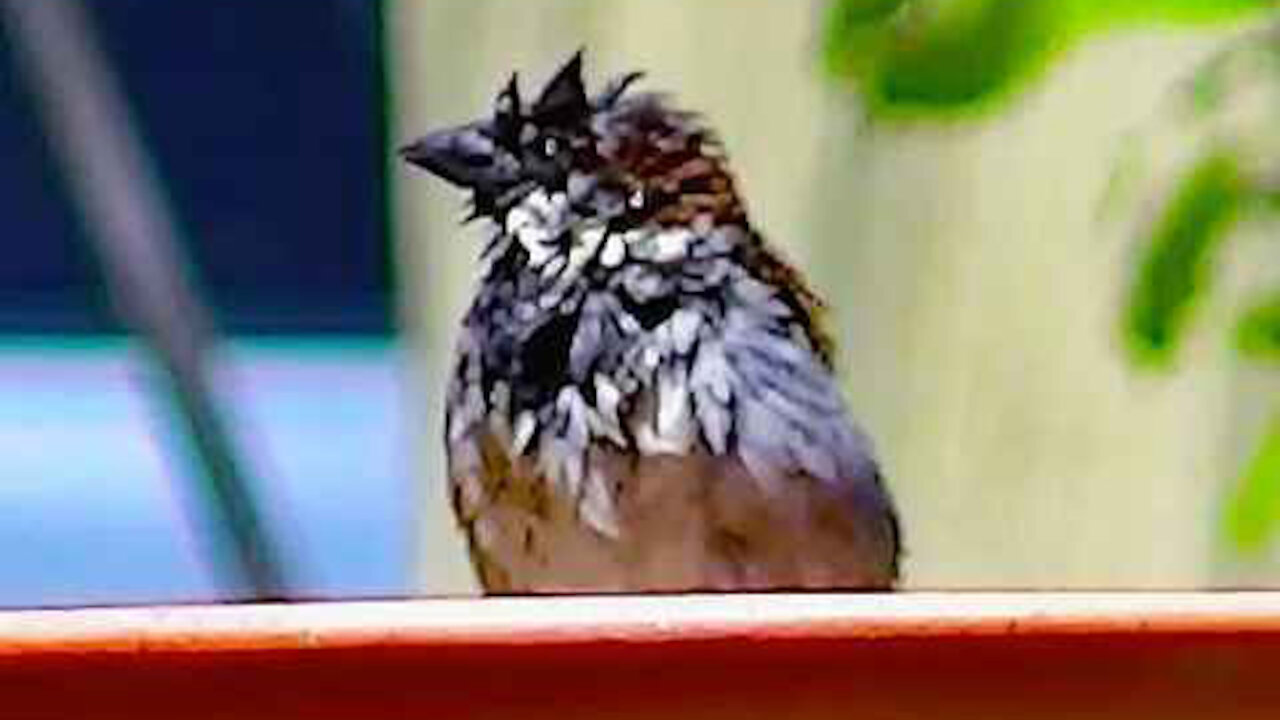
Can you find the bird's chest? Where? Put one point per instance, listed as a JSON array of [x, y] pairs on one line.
[[534, 407]]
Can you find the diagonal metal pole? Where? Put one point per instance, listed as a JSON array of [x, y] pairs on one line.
[[136, 243]]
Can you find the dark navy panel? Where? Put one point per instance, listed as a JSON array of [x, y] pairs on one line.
[[46, 278], [265, 120]]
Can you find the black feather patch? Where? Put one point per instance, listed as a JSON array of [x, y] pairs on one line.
[[544, 362], [563, 101]]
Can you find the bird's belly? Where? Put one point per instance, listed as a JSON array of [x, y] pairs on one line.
[[682, 523], [530, 536]]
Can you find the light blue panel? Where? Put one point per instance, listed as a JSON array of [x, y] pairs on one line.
[[93, 510]]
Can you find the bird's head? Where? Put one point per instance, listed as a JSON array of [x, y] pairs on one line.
[[614, 160]]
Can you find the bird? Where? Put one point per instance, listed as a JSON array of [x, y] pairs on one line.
[[643, 395]]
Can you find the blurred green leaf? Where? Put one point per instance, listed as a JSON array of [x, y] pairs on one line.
[[969, 58], [931, 57], [851, 13], [1102, 14], [1179, 254], [1258, 333], [1254, 510]]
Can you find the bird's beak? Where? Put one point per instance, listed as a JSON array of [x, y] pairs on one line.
[[465, 156]]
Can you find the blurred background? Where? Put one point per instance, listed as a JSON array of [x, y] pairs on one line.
[[1047, 231]]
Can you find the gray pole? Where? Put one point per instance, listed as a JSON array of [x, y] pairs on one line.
[[134, 235]]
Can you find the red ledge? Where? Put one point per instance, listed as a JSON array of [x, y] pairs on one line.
[[916, 655]]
